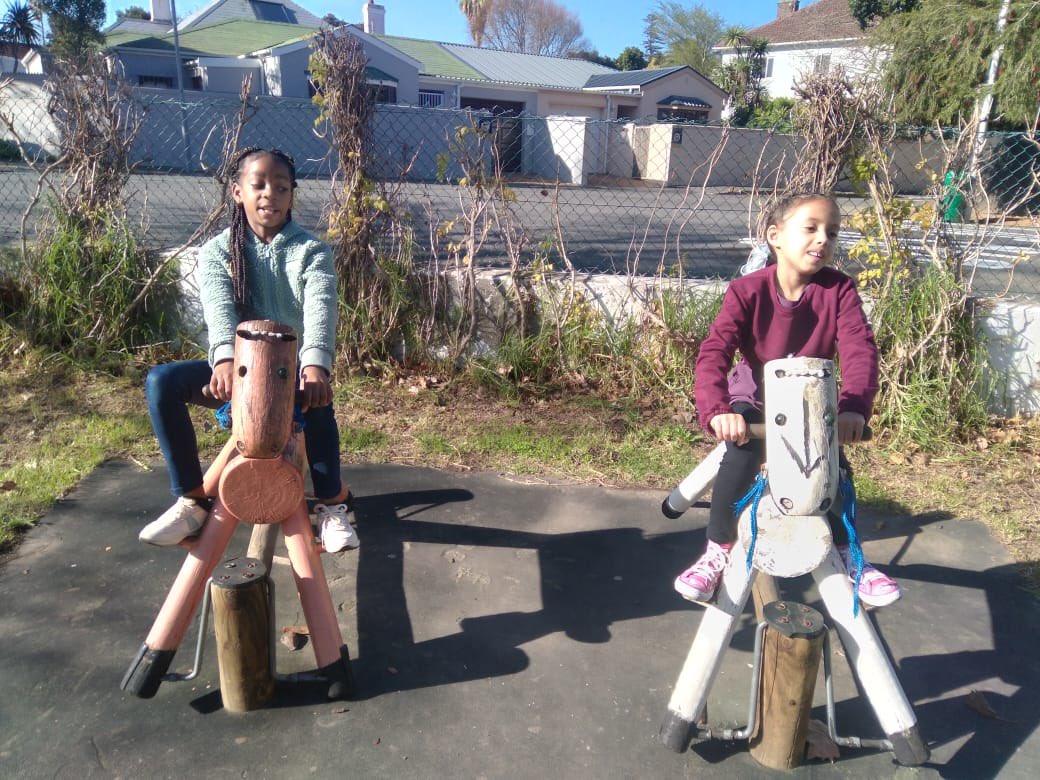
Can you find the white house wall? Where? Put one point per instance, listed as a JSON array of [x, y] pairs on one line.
[[791, 62]]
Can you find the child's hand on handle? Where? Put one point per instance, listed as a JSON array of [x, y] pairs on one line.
[[850, 427], [730, 427], [315, 388], [222, 380]]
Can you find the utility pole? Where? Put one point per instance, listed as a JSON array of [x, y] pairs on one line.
[[178, 68], [986, 107]]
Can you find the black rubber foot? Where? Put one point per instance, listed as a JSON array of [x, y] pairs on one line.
[[909, 748], [340, 677], [674, 733], [667, 511], [146, 672]]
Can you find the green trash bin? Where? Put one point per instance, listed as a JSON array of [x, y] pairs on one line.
[[954, 205]]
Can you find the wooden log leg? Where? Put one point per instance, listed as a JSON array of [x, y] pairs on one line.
[[211, 479], [695, 484], [705, 657], [153, 659], [790, 665], [241, 622], [262, 542], [871, 664], [326, 638]]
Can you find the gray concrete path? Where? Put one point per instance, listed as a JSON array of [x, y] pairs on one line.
[[500, 628]]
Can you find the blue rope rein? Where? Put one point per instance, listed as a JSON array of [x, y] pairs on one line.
[[753, 496], [848, 517], [223, 415]]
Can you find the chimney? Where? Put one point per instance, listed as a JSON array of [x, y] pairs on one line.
[[785, 8], [160, 10], [372, 16]]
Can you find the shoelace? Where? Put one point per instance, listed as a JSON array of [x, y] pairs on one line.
[[715, 559]]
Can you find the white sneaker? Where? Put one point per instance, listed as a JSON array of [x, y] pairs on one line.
[[336, 532], [176, 524]]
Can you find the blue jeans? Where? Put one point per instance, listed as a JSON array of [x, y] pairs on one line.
[[170, 387]]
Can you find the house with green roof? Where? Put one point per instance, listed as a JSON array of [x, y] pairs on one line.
[[271, 39], [541, 112]]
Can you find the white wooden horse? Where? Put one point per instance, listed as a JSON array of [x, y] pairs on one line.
[[789, 536]]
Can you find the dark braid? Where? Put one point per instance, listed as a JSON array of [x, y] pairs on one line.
[[240, 226]]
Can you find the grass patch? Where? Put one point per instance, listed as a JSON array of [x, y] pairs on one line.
[[362, 441], [61, 457]]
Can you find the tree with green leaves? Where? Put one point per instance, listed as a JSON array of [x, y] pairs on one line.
[[592, 55], [20, 24], [134, 12], [868, 11], [677, 34], [742, 75], [75, 25], [631, 58], [939, 55]]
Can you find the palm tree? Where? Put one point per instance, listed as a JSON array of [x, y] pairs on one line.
[[476, 13], [20, 24]]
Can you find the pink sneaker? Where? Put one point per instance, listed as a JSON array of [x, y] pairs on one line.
[[876, 589], [699, 582]]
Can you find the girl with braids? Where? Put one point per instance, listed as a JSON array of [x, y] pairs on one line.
[[795, 305], [263, 267]]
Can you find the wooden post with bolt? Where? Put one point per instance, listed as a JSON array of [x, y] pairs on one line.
[[241, 622], [791, 652]]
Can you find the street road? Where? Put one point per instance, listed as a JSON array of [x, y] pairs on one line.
[[638, 229]]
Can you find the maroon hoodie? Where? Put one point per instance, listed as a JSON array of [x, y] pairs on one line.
[[757, 322]]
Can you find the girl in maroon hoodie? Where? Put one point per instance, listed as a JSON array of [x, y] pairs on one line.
[[795, 305]]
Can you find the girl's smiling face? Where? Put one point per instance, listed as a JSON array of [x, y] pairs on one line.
[[264, 188], [804, 242]]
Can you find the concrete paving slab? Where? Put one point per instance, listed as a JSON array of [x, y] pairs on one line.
[[499, 628]]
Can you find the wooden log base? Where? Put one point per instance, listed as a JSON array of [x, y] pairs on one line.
[[791, 652], [258, 490], [241, 622]]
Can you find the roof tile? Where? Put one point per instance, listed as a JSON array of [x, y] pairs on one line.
[[824, 20]]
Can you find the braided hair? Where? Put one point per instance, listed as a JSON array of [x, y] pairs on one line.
[[240, 225]]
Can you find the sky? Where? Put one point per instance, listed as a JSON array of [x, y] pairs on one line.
[[609, 25]]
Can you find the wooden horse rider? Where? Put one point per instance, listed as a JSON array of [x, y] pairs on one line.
[[788, 534], [257, 478]]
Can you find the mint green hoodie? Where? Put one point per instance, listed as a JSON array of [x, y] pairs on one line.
[[292, 281]]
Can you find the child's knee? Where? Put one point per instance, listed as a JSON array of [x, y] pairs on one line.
[[158, 383]]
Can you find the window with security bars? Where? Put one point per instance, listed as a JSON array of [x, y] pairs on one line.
[[431, 99], [822, 63]]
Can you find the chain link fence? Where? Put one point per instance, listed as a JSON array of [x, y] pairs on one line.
[[618, 197]]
